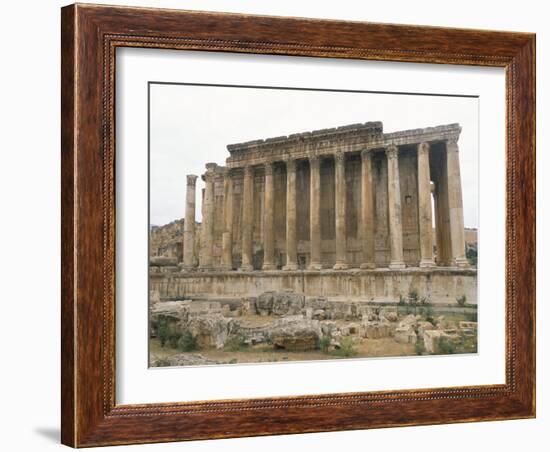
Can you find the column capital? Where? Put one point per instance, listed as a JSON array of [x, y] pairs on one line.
[[290, 163], [268, 166], [392, 151], [423, 148], [339, 156], [226, 173], [248, 170], [191, 179], [313, 158], [452, 144], [366, 153]]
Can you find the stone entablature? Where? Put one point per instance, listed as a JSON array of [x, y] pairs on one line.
[[347, 197], [325, 142]]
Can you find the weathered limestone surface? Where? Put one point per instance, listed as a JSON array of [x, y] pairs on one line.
[[343, 212], [437, 284], [189, 226]]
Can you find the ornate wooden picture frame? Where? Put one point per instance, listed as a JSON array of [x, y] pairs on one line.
[[90, 37]]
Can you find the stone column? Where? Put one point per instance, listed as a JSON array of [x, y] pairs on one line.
[[367, 210], [425, 206], [227, 236], [291, 255], [189, 224], [269, 244], [394, 210], [315, 213], [248, 210], [340, 210], [456, 213], [207, 219]]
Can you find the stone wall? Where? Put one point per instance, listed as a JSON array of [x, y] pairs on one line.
[[439, 286]]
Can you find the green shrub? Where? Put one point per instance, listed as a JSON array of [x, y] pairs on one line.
[[324, 343], [471, 316], [163, 334], [186, 342], [401, 300], [235, 343], [461, 300], [347, 348], [173, 339], [413, 295], [445, 346], [471, 255], [430, 315], [419, 348]]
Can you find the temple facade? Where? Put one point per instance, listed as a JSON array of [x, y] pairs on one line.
[[341, 198]]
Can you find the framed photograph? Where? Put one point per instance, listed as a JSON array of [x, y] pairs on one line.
[[281, 225]]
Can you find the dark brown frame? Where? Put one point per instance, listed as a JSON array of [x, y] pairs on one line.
[[90, 34]]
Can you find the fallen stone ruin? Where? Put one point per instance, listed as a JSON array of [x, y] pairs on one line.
[[294, 322]]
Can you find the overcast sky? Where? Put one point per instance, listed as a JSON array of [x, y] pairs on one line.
[[192, 125]]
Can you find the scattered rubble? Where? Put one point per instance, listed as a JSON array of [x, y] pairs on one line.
[[298, 323]]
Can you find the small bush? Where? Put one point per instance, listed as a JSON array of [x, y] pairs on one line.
[[324, 343], [401, 300], [347, 347], [163, 334], [186, 342], [430, 315], [461, 300], [413, 295], [419, 348], [174, 338], [235, 343], [446, 347]]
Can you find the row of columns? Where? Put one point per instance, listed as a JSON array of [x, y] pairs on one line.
[[367, 214]]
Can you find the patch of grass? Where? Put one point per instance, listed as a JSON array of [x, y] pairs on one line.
[[235, 343], [347, 348], [161, 362], [471, 316]]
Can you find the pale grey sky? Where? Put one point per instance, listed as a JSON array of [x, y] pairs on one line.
[[192, 125]]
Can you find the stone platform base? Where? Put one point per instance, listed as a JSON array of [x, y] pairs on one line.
[[441, 285]]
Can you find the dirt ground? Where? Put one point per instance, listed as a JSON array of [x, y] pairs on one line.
[[264, 353]]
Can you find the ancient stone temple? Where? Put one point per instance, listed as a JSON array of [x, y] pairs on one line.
[[339, 198], [342, 212]]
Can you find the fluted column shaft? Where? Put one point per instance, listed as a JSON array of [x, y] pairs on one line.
[[189, 224], [394, 209], [456, 212], [248, 210], [227, 236], [291, 255], [207, 220], [269, 239], [425, 206], [340, 210], [367, 210], [315, 213]]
